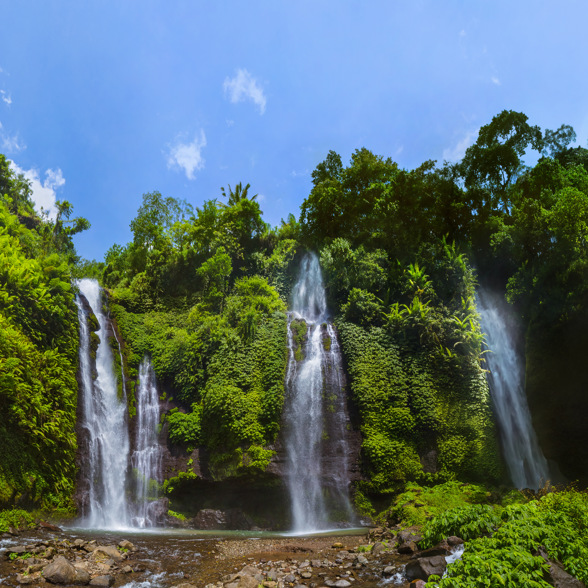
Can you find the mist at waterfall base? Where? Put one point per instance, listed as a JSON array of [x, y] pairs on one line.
[[318, 490], [105, 426], [526, 463]]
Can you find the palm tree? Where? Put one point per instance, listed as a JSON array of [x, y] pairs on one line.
[[237, 196]]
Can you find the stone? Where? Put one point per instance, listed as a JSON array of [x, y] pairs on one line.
[[127, 570], [306, 575], [442, 548], [272, 576], [248, 571], [361, 559], [103, 552], [49, 527], [82, 576], [243, 582], [210, 519], [60, 571], [104, 581], [407, 548], [79, 543], [290, 579], [418, 584], [342, 584], [388, 570], [378, 547], [188, 585], [453, 540], [337, 545], [17, 549], [25, 579], [124, 544], [423, 567]]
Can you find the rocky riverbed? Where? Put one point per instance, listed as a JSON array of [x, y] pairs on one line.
[[48, 555]]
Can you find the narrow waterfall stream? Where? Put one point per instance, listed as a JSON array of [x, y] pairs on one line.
[[147, 455], [315, 410], [104, 419], [526, 463]]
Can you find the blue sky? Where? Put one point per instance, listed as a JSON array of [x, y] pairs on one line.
[[103, 101]]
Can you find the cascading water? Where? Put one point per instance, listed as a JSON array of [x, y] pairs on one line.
[[104, 419], [316, 447], [147, 455], [526, 464]]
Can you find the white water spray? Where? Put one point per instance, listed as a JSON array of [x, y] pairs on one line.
[[104, 419], [315, 482], [526, 464], [147, 456]]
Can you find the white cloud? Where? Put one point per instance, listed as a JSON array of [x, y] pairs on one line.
[[187, 156], [43, 194], [6, 98], [230, 122], [495, 80], [457, 152], [245, 87], [10, 143]]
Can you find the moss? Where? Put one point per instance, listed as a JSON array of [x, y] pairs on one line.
[[326, 341], [299, 330]]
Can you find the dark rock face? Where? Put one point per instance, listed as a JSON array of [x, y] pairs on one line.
[[553, 359], [210, 519]]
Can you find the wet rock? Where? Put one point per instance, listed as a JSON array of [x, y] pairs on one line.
[[388, 570], [422, 568], [442, 548], [418, 584], [16, 549], [404, 536], [60, 571], [49, 527], [453, 540], [127, 570], [378, 547], [342, 584], [124, 544], [361, 559], [290, 579], [104, 581]]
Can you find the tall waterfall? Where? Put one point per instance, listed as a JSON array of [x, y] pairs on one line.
[[147, 455], [104, 418], [315, 411], [524, 458]]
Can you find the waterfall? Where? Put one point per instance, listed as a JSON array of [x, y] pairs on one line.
[[104, 419], [147, 456], [526, 464], [315, 411]]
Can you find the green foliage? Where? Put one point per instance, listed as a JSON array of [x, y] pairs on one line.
[[38, 350], [416, 504], [502, 546], [184, 429], [15, 518]]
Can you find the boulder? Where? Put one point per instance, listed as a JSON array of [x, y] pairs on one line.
[[418, 584], [49, 527], [423, 567], [557, 576], [408, 548], [82, 576], [453, 540], [378, 547], [442, 548], [60, 571], [26, 579], [124, 544], [210, 519], [103, 552]]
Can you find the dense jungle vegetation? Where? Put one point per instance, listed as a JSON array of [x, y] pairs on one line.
[[204, 292]]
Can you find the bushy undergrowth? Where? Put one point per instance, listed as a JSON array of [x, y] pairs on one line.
[[503, 545], [15, 518]]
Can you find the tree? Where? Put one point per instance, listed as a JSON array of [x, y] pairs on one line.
[[494, 161]]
